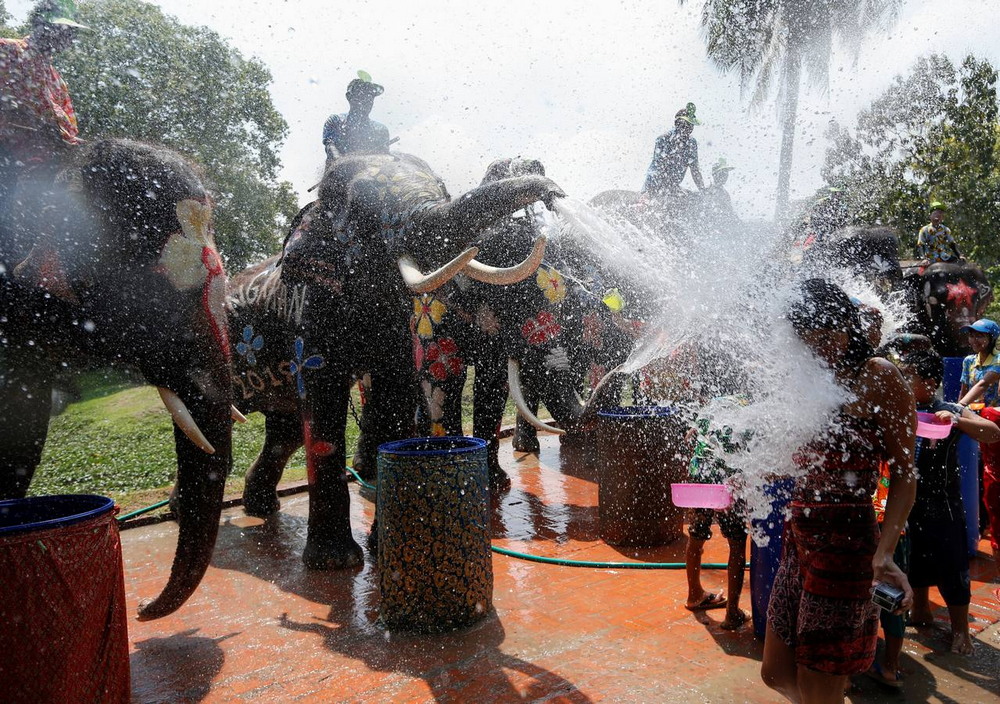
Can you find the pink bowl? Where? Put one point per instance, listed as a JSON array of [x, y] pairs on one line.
[[701, 495], [931, 427]]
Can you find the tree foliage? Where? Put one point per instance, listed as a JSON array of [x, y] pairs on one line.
[[766, 39], [143, 75], [933, 135]]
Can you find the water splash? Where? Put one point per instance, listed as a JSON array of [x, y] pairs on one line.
[[714, 293]]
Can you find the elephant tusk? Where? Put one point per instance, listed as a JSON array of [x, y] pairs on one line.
[[234, 412], [182, 417], [514, 382], [509, 275], [419, 282]]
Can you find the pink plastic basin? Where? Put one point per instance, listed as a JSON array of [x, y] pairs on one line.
[[701, 495], [931, 427]]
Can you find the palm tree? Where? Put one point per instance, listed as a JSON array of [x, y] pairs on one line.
[[768, 39]]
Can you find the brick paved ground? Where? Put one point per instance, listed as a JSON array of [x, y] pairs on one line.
[[262, 628]]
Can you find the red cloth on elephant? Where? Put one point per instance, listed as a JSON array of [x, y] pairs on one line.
[[31, 87]]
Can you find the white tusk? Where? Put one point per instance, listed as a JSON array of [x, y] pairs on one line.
[[182, 417], [419, 282], [234, 412], [514, 382], [590, 406], [509, 275]]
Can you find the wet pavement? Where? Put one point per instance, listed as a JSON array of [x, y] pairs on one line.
[[263, 628]]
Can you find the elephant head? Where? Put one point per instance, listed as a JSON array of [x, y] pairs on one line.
[[949, 296], [124, 271]]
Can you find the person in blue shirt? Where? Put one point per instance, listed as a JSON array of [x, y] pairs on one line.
[[355, 132], [981, 369], [675, 152]]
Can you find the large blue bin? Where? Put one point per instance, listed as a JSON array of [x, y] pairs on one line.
[[968, 457], [764, 560], [62, 601]]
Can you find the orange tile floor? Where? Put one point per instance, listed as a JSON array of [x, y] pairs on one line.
[[263, 628]]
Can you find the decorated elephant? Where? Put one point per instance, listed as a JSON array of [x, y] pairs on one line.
[[542, 337], [941, 297], [337, 304], [946, 296], [119, 267]]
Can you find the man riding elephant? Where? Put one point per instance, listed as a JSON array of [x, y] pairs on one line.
[[675, 152], [355, 132], [37, 122]]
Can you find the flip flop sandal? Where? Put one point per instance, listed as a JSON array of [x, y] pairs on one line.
[[711, 601], [876, 673]]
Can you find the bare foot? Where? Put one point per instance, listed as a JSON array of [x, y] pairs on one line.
[[921, 618], [961, 643], [734, 620]]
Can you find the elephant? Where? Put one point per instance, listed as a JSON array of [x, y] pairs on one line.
[[941, 297], [946, 296], [120, 267], [543, 338], [337, 304]]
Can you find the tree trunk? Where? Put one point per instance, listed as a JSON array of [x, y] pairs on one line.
[[790, 84]]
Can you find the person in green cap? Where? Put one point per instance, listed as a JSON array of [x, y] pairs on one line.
[[675, 152], [37, 121], [934, 241], [354, 132]]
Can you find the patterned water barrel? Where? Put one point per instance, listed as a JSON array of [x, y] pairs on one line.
[[434, 560], [640, 454]]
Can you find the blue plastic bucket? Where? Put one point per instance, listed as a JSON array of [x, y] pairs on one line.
[[48, 512]]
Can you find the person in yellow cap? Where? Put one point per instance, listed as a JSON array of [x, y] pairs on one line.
[[934, 241], [675, 152], [355, 132], [37, 120]]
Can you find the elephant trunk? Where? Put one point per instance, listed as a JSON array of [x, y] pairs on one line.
[[201, 479], [464, 219]]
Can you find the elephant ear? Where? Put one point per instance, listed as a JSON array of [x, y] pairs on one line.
[[44, 268], [189, 260]]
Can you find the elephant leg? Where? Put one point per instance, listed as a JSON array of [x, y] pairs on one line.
[[487, 414], [330, 543], [453, 388], [282, 437], [388, 415], [525, 434], [25, 404]]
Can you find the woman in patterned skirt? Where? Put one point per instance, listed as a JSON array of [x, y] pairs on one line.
[[822, 626]]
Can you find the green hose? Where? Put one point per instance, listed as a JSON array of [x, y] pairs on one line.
[[139, 512], [580, 563]]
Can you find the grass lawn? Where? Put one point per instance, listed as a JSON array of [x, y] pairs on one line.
[[118, 441]]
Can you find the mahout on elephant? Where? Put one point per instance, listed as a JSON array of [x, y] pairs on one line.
[[119, 267], [336, 305]]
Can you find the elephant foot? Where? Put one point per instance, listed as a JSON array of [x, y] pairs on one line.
[[499, 482], [525, 443], [365, 469], [332, 557], [373, 542], [261, 506]]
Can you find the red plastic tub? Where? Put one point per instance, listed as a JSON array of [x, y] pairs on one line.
[[64, 633]]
